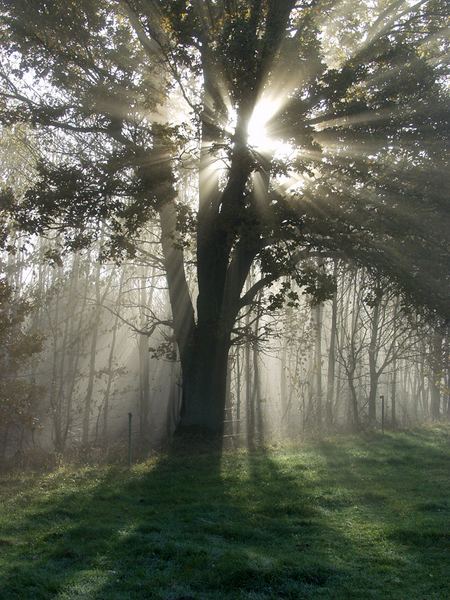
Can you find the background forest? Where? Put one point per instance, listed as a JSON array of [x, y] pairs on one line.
[[81, 350]]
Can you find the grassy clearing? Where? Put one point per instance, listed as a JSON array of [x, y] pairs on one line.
[[343, 518]]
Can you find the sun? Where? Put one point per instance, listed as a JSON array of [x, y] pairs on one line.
[[263, 113], [260, 130], [259, 137]]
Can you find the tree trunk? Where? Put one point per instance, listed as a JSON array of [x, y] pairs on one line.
[[353, 400], [331, 373], [394, 393], [92, 359], [436, 375], [257, 396], [318, 365], [145, 301], [447, 371], [110, 364], [238, 392], [283, 386], [204, 382], [225, 249], [203, 345], [373, 353], [250, 408]]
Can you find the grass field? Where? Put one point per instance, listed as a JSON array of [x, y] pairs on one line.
[[348, 517]]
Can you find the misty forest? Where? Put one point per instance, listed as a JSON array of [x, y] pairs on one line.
[[224, 299]]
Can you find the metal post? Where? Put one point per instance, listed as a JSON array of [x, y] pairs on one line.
[[129, 438], [382, 413]]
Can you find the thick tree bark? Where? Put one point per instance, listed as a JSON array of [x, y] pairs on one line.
[[204, 382], [205, 366], [203, 345]]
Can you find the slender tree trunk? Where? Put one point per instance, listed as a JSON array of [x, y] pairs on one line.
[[250, 408], [317, 311], [238, 391], [87, 408], [373, 353], [257, 398], [421, 377], [447, 370], [77, 334], [53, 396], [110, 365], [394, 392], [63, 355], [354, 400], [331, 374], [436, 377], [145, 300], [229, 412], [283, 379]]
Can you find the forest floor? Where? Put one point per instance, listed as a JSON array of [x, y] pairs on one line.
[[346, 517]]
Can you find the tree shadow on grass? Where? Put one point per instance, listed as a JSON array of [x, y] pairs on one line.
[[242, 525], [184, 527]]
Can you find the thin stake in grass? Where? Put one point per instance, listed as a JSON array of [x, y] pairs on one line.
[[130, 416]]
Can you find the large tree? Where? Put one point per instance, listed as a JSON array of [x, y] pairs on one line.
[[316, 131]]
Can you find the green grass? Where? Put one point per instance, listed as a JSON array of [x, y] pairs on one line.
[[348, 517]]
